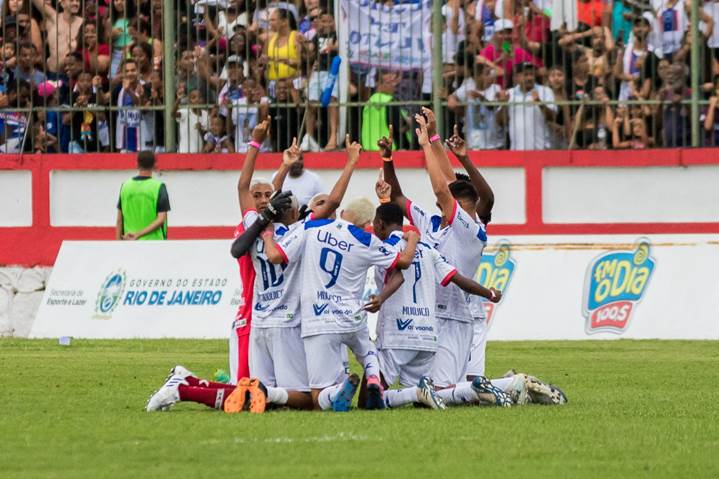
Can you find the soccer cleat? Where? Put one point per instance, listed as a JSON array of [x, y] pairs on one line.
[[375, 394], [427, 396], [543, 393], [239, 398], [518, 389], [343, 400], [181, 371], [167, 395], [490, 394], [258, 396]]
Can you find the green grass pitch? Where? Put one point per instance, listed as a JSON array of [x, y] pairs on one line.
[[637, 409]]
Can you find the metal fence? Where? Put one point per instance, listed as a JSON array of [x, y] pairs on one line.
[[197, 76]]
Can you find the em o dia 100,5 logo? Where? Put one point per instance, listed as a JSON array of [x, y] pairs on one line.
[[615, 283], [495, 271], [110, 293]]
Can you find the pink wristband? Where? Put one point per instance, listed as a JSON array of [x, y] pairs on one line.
[[255, 144], [434, 138]]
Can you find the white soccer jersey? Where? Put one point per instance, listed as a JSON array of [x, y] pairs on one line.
[[335, 256], [407, 318], [276, 297], [461, 243]]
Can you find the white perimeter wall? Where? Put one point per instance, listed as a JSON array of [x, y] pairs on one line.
[[570, 195]]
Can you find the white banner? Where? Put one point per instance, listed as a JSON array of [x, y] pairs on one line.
[[555, 287], [396, 37], [141, 289]]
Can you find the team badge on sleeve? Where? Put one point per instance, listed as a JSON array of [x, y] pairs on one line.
[[495, 271], [615, 283]]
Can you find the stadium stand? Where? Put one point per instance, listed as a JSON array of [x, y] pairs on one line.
[[90, 75]]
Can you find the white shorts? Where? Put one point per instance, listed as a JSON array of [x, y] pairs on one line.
[[317, 84], [326, 355], [407, 365], [452, 356], [277, 358], [475, 366]]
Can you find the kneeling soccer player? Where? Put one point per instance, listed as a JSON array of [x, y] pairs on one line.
[[407, 326]]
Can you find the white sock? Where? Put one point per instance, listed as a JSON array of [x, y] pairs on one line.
[[502, 383], [277, 395], [371, 364], [327, 395], [400, 397], [462, 393]]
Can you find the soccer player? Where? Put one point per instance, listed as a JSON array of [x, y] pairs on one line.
[[407, 326], [460, 237], [335, 256], [277, 356]]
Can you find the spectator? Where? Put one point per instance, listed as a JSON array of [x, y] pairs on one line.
[[25, 69], [216, 141], [50, 123], [560, 129], [675, 115], [14, 123], [485, 18], [377, 116], [192, 122], [303, 184], [283, 52], [593, 13], [324, 47], [503, 53], [118, 24], [454, 27], [142, 54], [188, 76], [131, 129], [84, 135], [530, 108], [594, 122], [62, 31], [231, 90], [637, 137], [246, 113], [285, 119], [95, 56], [636, 65], [143, 204], [480, 125], [14, 10], [141, 34]]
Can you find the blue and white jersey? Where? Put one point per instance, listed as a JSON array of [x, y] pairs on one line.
[[131, 131], [461, 243], [276, 292], [335, 256], [407, 318]]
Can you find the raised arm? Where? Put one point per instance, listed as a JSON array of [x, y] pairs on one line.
[[437, 178], [390, 176], [248, 168], [439, 153], [472, 287], [289, 157], [486, 195], [46, 9], [279, 203], [338, 192]]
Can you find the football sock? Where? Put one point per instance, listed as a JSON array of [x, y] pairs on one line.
[[277, 395], [195, 381], [400, 397], [461, 393], [371, 364], [502, 383], [327, 395], [212, 397]]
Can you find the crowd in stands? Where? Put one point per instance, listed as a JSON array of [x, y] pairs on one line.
[[87, 75]]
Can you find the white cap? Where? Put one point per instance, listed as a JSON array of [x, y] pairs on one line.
[[503, 24]]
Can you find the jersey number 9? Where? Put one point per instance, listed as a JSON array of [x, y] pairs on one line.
[[330, 263]]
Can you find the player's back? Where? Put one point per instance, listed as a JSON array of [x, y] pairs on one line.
[[335, 259], [407, 318], [276, 289]]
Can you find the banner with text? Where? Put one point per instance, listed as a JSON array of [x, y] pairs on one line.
[[395, 37], [142, 289]]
